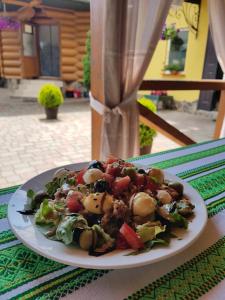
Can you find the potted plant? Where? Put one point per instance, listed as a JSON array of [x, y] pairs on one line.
[[146, 134], [50, 96], [173, 68]]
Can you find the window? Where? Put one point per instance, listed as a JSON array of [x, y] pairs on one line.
[[177, 52], [29, 47]]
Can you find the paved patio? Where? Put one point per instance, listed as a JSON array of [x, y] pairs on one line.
[[30, 144]]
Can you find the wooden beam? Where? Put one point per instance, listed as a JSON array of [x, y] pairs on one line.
[[96, 73], [183, 85], [22, 3], [221, 116], [25, 13], [154, 121]]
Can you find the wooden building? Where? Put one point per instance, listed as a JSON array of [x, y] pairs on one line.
[[48, 43]]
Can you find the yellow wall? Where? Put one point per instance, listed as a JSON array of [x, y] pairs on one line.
[[194, 57]]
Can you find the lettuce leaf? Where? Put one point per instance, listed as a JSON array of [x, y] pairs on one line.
[[46, 214], [149, 245], [104, 240], [66, 228], [179, 220], [148, 233]]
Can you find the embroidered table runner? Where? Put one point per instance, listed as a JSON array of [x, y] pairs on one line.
[[197, 272]]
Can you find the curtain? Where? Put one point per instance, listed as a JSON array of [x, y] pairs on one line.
[[216, 9], [131, 31]]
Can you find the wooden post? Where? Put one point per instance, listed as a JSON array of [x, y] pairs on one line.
[[221, 115], [96, 73]]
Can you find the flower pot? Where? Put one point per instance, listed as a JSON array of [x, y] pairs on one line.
[[145, 150], [51, 113]]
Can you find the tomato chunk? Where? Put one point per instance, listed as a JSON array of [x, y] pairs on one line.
[[80, 179], [121, 184], [131, 237], [151, 185], [140, 180], [73, 202], [109, 178], [113, 169], [121, 242]]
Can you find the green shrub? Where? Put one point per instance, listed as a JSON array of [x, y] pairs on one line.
[[87, 62], [50, 96], [146, 134], [174, 67]]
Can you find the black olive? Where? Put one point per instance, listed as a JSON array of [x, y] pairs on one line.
[[76, 234], [93, 219], [141, 171], [95, 164], [101, 186], [177, 186], [38, 199]]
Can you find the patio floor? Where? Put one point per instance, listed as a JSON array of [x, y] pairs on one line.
[[30, 144]]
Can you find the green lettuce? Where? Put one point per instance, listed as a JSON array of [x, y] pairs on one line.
[[66, 227], [104, 240], [148, 232], [179, 220], [46, 214]]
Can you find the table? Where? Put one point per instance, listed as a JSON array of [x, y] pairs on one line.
[[198, 272]]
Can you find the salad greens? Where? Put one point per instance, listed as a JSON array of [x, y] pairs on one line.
[[110, 205]]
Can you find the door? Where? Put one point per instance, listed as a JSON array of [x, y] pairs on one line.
[[49, 50], [29, 51], [212, 70]]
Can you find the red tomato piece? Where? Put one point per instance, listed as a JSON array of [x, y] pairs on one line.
[[121, 184], [121, 242], [131, 237], [140, 180], [151, 185], [80, 179], [73, 202], [113, 170], [109, 178]]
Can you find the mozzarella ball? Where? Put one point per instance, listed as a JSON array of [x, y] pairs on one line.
[[92, 175], [164, 197], [143, 204], [157, 174], [98, 203]]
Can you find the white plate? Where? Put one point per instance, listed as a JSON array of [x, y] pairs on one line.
[[27, 232]]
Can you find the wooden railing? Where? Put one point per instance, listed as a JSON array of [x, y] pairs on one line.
[[156, 122]]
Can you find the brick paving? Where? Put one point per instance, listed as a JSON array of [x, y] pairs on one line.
[[30, 144]]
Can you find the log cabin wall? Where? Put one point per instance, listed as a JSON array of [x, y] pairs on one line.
[[10, 54], [73, 30]]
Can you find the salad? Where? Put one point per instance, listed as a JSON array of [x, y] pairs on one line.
[[110, 205]]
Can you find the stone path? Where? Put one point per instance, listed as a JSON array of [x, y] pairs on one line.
[[30, 144]]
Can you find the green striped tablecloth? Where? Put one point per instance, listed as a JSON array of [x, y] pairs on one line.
[[198, 272]]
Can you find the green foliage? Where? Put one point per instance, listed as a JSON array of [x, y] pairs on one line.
[[169, 32], [50, 96], [146, 134], [148, 103], [173, 67], [87, 62]]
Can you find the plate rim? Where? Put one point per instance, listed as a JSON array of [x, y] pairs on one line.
[[118, 266]]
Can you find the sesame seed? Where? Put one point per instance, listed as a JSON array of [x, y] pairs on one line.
[[96, 206]]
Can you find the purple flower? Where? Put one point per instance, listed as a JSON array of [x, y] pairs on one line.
[[8, 23]]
